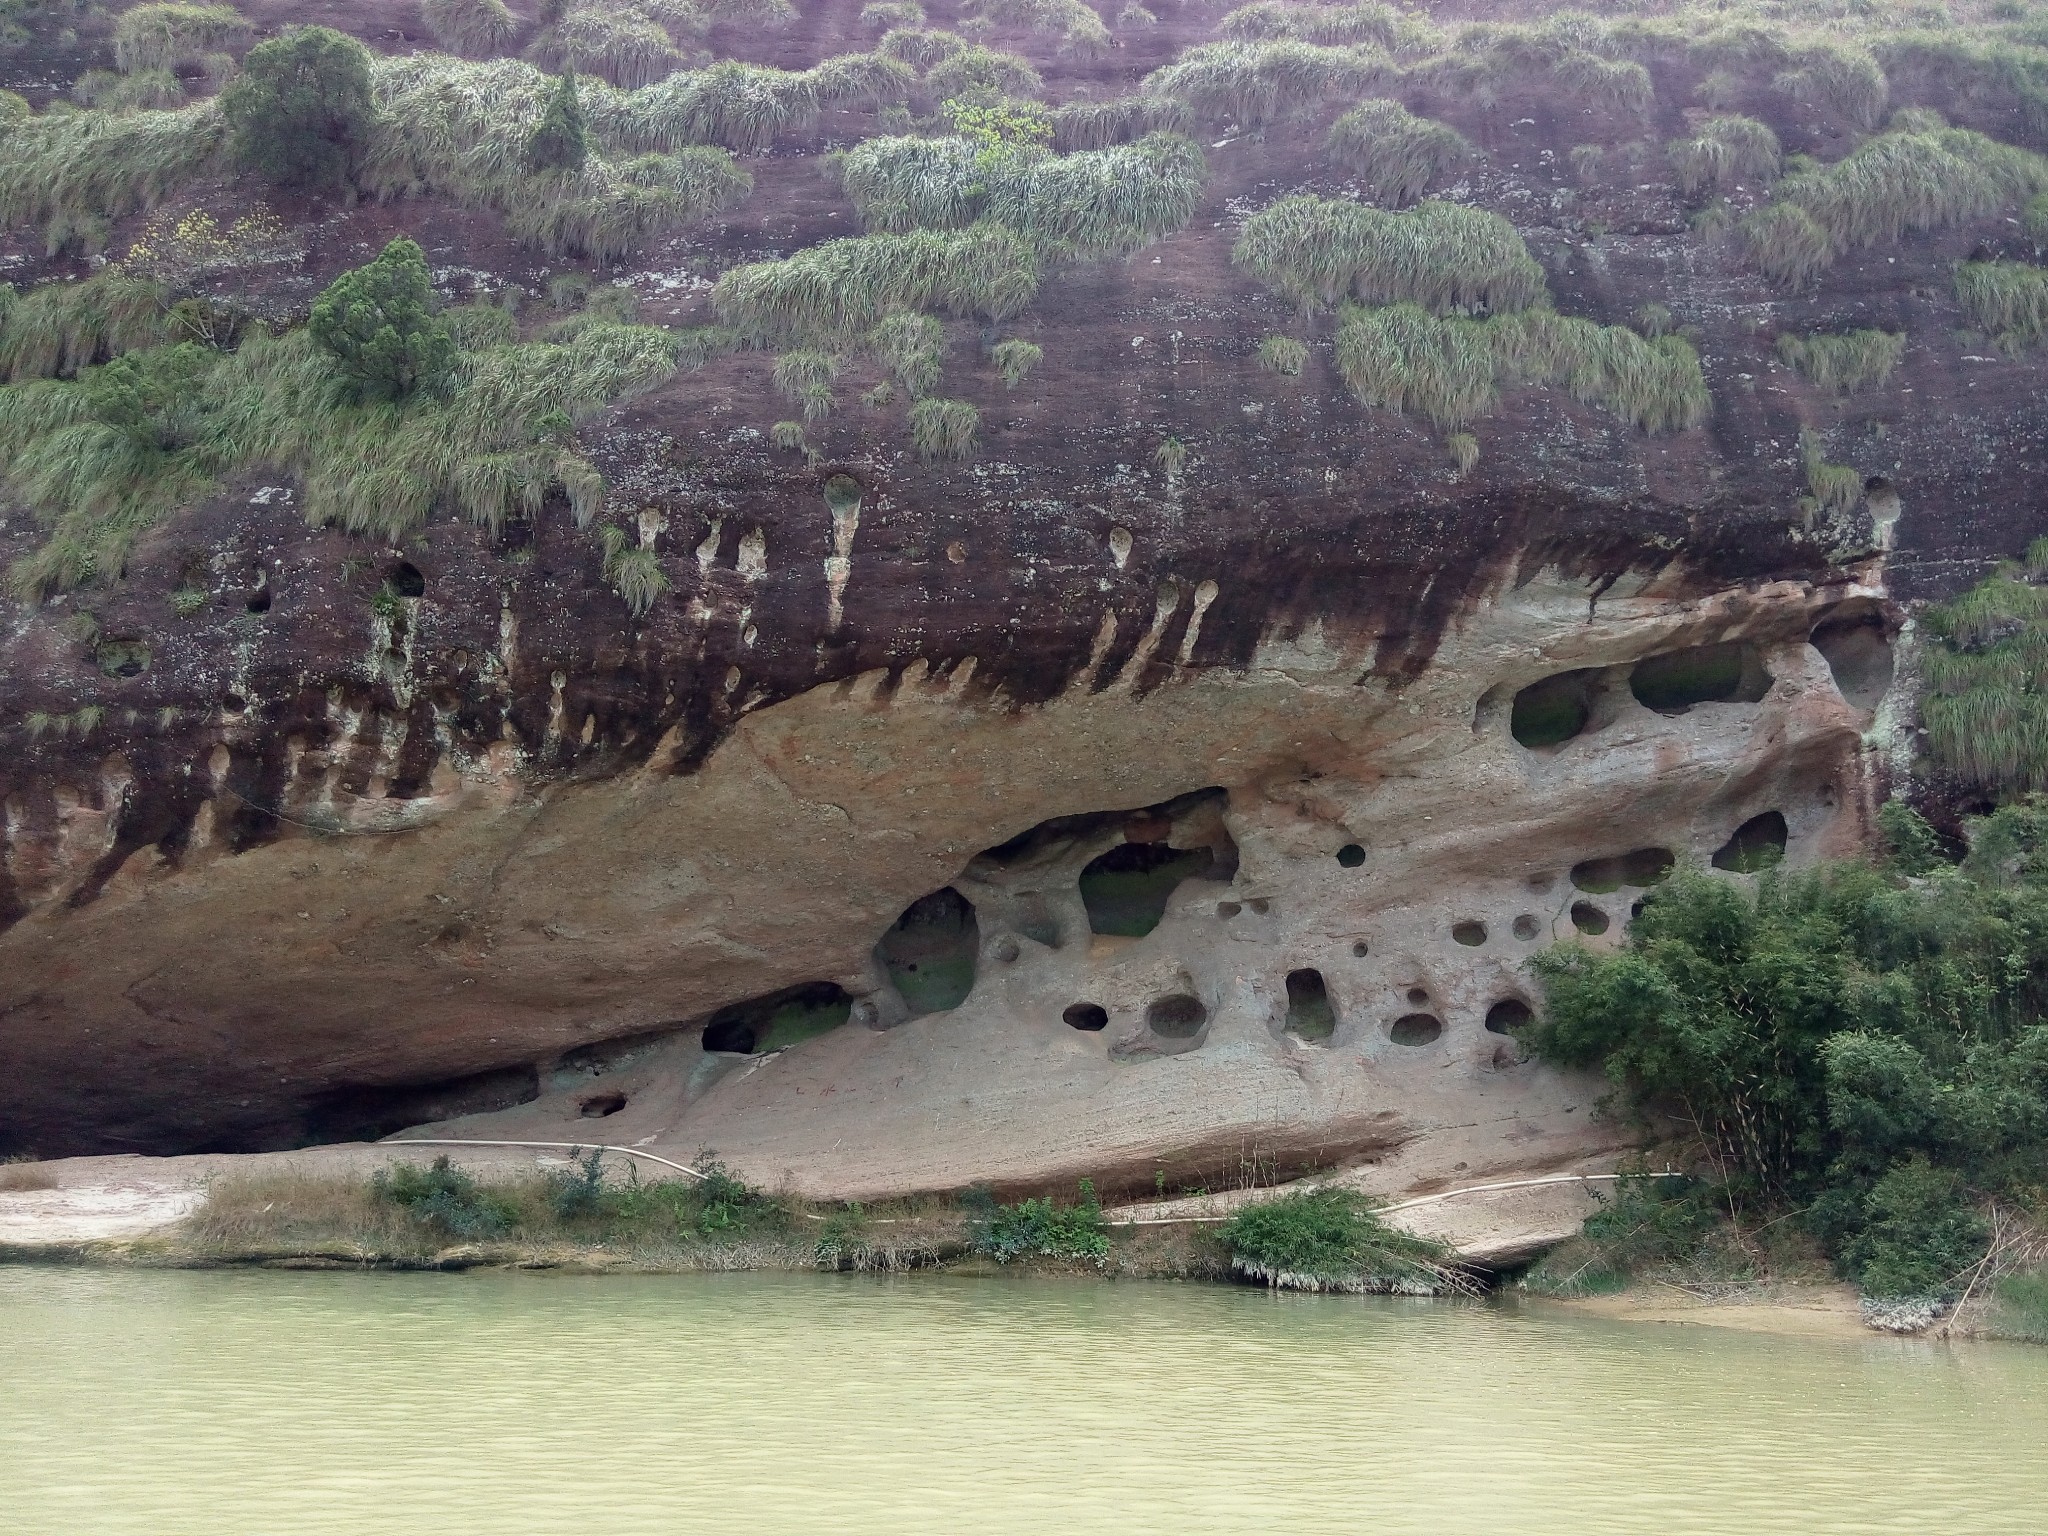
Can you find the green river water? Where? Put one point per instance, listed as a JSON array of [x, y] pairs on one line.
[[218, 1404]]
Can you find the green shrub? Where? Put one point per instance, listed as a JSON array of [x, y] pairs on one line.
[[1330, 1240], [1014, 360], [1253, 83], [1393, 152], [2008, 300], [2022, 1311], [1918, 1237], [844, 288], [1650, 1222], [1040, 1228], [1441, 256], [444, 1197], [633, 571], [944, 429], [1845, 363], [477, 28], [301, 111], [561, 140], [1726, 150], [1283, 355], [379, 323], [174, 37]]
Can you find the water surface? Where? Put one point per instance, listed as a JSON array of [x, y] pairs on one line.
[[304, 1404]]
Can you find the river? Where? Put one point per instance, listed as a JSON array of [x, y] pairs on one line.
[[301, 1404]]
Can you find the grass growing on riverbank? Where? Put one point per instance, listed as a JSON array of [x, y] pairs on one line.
[[1330, 1240]]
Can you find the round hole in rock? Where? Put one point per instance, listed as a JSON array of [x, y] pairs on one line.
[[1126, 889], [1228, 909], [1260, 905], [1527, 926], [930, 951], [1418, 994], [1360, 948], [122, 657], [1757, 844], [1642, 868], [1469, 933], [1177, 1016], [1415, 1029], [1672, 682], [233, 703], [1858, 655], [598, 1105], [842, 493], [1883, 497], [1509, 1015], [1310, 1013], [258, 601], [407, 580], [1089, 1016], [1588, 918], [1351, 855], [1554, 710], [1505, 1056], [1004, 950]]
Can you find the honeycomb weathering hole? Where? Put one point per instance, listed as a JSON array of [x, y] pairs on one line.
[[1527, 926], [598, 1105], [1588, 918], [1126, 889], [1415, 1029], [1469, 933], [1351, 855], [1508, 1015], [1858, 655], [1089, 1016], [1361, 948], [930, 951], [1641, 868], [1310, 1013], [407, 580], [1757, 844], [1177, 1016], [778, 1019], [1672, 682], [1418, 994], [1554, 710]]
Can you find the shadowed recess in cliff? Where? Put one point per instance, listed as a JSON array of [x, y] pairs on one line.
[[777, 1020], [369, 1112], [1853, 642], [1672, 682], [1310, 1013], [930, 952], [1756, 845]]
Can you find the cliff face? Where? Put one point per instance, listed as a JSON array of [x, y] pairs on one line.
[[302, 865]]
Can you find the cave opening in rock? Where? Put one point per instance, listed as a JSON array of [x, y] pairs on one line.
[[369, 1112], [930, 951], [1641, 868], [1755, 845], [1554, 710], [598, 1105], [1415, 1029], [1469, 933], [1126, 889], [1509, 1015], [1858, 655], [778, 1020], [1088, 1016], [1672, 682], [1588, 918], [1310, 1013], [407, 580], [1177, 1016], [1351, 855]]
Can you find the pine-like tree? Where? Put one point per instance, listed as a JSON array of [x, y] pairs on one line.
[[562, 141], [299, 111], [379, 323]]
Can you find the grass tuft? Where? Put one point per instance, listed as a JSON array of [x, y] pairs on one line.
[[1845, 363], [56, 329], [1014, 360], [944, 429], [1283, 355], [1254, 83], [74, 173], [1395, 153], [633, 571], [174, 37], [1277, 20], [1835, 488], [1078, 27], [1330, 1240], [2008, 300], [1726, 151], [475, 28], [1441, 256]]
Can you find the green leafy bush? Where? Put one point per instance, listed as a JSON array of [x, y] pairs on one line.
[[379, 322], [561, 140], [1330, 1240], [1041, 1228], [301, 111], [446, 1198]]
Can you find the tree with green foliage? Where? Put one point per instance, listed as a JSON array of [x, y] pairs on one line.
[[1865, 1048], [301, 109], [1006, 135], [379, 324], [562, 141]]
